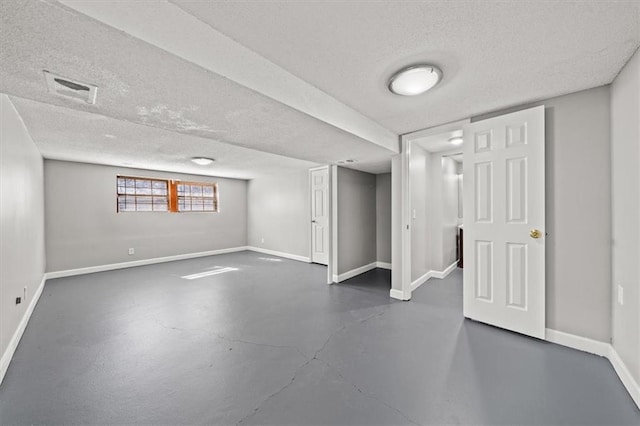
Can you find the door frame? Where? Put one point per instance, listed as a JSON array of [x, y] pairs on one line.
[[332, 251], [401, 220]]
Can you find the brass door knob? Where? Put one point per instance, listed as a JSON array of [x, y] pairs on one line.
[[535, 233]]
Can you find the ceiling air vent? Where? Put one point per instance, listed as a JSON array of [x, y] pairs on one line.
[[70, 88], [347, 161]]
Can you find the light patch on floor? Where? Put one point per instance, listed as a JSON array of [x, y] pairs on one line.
[[209, 273], [270, 259]]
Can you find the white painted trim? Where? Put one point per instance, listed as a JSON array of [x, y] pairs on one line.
[[417, 283], [433, 274], [15, 339], [602, 349], [626, 378], [361, 270], [383, 265], [444, 128], [352, 273], [404, 277], [142, 262], [280, 254], [326, 166], [443, 274], [332, 270], [577, 342], [400, 231], [398, 294]]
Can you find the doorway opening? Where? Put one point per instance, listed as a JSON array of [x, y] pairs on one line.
[[436, 205], [503, 225]]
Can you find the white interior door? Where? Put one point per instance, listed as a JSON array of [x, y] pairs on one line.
[[504, 222], [320, 215]]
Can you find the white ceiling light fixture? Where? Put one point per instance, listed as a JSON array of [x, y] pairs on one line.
[[202, 161], [456, 140], [414, 80]]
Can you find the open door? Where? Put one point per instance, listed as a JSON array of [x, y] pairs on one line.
[[504, 222]]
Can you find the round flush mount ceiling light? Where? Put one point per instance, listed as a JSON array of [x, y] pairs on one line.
[[414, 80], [202, 161], [456, 140]]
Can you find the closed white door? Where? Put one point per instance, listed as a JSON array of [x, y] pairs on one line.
[[504, 222], [320, 215]]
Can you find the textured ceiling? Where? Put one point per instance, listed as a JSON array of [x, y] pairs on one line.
[[494, 54], [195, 68], [143, 84], [68, 134], [439, 142]]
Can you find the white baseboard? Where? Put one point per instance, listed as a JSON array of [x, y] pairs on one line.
[[577, 342], [602, 349], [398, 294], [383, 265], [142, 262], [632, 386], [423, 279], [15, 339], [443, 274], [280, 254], [433, 274], [352, 273]]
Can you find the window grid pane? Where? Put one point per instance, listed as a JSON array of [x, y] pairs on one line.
[[136, 194], [149, 194], [197, 197]]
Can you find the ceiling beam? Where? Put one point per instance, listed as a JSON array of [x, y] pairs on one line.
[[168, 27]]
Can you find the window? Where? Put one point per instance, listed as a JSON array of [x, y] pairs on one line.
[[197, 197], [142, 195], [136, 194]]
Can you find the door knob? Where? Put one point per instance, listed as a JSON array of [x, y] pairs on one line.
[[535, 233], [313, 221]]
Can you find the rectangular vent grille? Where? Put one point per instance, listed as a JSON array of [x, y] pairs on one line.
[[68, 88]]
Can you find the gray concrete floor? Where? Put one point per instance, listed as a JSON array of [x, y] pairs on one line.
[[271, 343]]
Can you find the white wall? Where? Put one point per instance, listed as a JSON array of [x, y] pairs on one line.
[[22, 247], [422, 236], [459, 171], [356, 219], [625, 172], [279, 212], [449, 212], [578, 206], [434, 201], [442, 221], [383, 217], [83, 228]]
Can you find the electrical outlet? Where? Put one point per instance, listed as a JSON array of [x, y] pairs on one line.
[[18, 300], [262, 240], [24, 295], [131, 251], [414, 214], [620, 294]]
